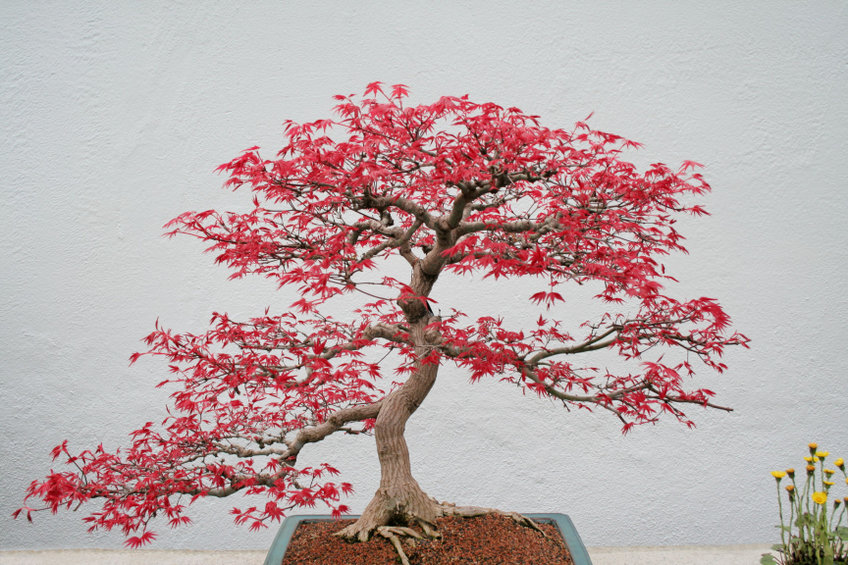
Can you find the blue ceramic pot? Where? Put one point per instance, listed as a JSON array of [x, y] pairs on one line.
[[562, 521]]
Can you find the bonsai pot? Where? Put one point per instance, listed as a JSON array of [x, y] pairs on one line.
[[561, 522]]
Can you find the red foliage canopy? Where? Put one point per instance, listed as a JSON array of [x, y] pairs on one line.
[[450, 187]]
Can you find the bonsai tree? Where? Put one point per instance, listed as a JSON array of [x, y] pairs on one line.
[[450, 189]]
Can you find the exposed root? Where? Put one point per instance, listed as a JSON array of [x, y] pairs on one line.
[[391, 533], [363, 529], [355, 532], [450, 509], [429, 532]]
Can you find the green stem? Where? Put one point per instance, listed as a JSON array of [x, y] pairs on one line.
[[780, 509]]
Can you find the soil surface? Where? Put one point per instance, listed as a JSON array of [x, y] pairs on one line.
[[491, 539]]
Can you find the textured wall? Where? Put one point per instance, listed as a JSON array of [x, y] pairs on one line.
[[113, 118]]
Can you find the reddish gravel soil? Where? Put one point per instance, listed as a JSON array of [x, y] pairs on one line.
[[491, 539]]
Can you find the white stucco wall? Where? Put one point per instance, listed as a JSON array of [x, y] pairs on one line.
[[113, 116]]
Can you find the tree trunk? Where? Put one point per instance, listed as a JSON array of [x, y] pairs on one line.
[[399, 499]]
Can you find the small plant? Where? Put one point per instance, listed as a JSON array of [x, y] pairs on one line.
[[810, 536]]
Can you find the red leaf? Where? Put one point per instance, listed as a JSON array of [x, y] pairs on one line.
[[373, 88], [138, 541], [400, 91], [549, 298]]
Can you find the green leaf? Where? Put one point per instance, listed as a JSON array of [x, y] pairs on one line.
[[768, 559], [842, 532]]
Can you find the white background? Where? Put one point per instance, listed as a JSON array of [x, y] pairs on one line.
[[114, 115]]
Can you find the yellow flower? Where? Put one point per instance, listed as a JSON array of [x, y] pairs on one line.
[[811, 469], [829, 472], [822, 454], [819, 497], [828, 483], [778, 475], [813, 446], [839, 463], [791, 490], [808, 459], [790, 472]]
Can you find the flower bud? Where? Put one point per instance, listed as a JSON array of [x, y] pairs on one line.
[[840, 463]]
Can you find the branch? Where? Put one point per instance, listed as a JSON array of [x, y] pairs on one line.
[[400, 240], [333, 424], [591, 344], [406, 205]]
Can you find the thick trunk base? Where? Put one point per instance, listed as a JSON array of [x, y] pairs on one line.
[[408, 506]]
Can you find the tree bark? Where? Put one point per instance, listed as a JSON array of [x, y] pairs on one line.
[[399, 499]]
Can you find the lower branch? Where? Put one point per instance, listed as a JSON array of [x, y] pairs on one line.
[[333, 424]]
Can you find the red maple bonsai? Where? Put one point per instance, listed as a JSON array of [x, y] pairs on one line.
[[451, 187]]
